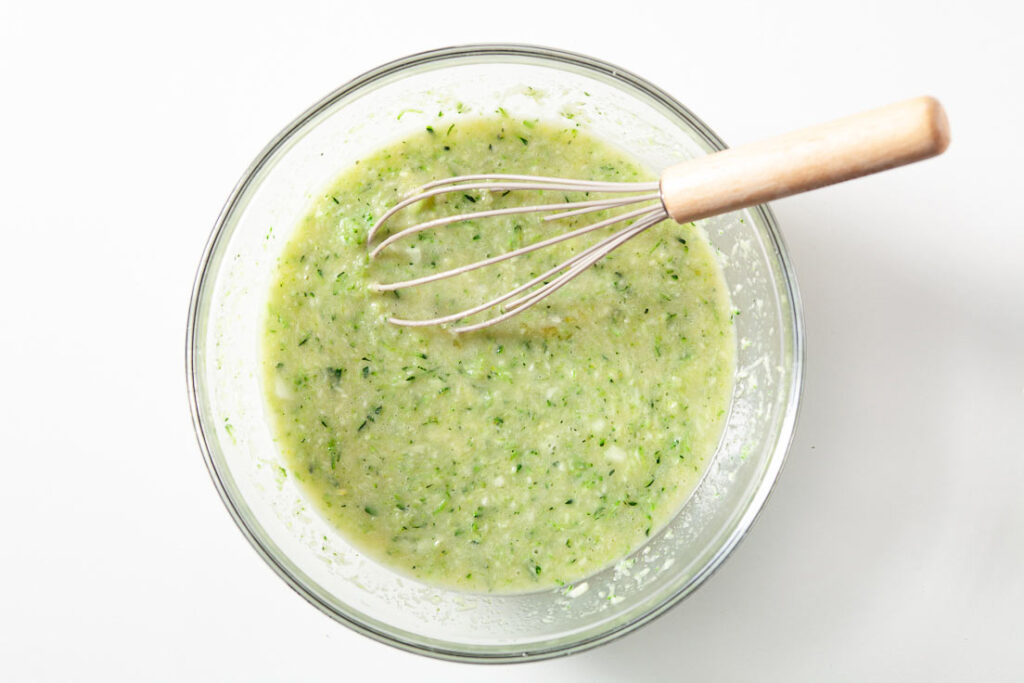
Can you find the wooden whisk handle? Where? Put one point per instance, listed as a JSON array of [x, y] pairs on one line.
[[806, 159]]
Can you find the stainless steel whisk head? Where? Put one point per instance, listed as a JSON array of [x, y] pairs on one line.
[[536, 290]]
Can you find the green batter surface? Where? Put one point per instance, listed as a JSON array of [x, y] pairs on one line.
[[520, 457]]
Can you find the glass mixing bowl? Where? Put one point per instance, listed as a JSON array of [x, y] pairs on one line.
[[225, 329]]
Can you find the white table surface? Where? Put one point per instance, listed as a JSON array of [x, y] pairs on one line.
[[893, 546]]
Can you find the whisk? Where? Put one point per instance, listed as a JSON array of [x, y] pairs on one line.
[[807, 159]]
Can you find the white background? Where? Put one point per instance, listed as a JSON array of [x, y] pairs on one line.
[[893, 546]]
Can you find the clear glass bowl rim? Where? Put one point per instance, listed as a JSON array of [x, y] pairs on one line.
[[488, 52]]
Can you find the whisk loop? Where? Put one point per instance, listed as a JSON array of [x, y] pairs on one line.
[[549, 282]]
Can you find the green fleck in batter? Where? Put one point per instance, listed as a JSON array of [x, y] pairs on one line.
[[520, 457]]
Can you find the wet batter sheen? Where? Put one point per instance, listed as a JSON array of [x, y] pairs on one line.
[[520, 457]]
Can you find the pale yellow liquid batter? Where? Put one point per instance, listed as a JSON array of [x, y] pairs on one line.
[[523, 456]]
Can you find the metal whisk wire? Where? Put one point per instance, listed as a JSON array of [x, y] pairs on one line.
[[555, 278]]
